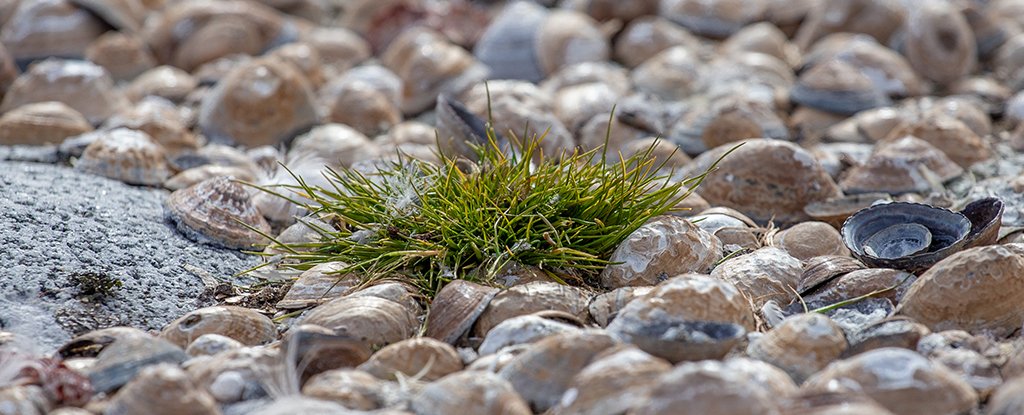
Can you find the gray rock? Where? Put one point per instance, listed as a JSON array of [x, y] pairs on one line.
[[61, 231]]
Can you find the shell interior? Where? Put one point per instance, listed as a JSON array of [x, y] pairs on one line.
[[948, 229], [899, 240]]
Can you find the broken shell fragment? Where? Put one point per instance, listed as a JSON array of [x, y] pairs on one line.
[[214, 211], [908, 236], [242, 324]]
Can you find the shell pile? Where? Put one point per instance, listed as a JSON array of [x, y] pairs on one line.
[[861, 252]]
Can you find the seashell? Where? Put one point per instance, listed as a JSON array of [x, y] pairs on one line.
[[319, 284], [615, 77], [25, 400], [1008, 398], [802, 345], [123, 356], [714, 387], [189, 34], [52, 28], [614, 382], [469, 392], [763, 38], [41, 123], [988, 305], [821, 269], [812, 123], [381, 22], [126, 155], [904, 165], [455, 309], [317, 350], [835, 403], [1007, 61], [399, 292], [371, 320], [811, 239], [966, 109], [124, 56], [351, 388], [963, 354], [948, 231], [672, 74], [986, 218], [210, 73], [764, 179], [715, 19], [263, 102], [303, 405], [234, 375], [92, 343], [245, 325], [950, 136], [919, 386], [304, 57], [429, 66], [892, 284], [529, 298], [493, 363], [766, 274], [646, 36], [689, 317], [195, 175], [522, 110], [81, 85], [423, 357], [339, 48], [543, 373], [939, 43], [162, 389], [216, 154], [211, 344], [213, 212], [661, 248], [837, 86], [164, 81], [879, 19], [604, 10], [159, 119], [458, 130], [868, 126], [520, 330], [362, 106], [891, 332], [835, 211], [604, 307], [713, 219], [515, 273], [730, 121]]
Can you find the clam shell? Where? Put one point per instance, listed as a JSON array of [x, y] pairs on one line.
[[893, 284], [305, 57], [949, 135], [195, 175], [604, 307], [123, 15], [939, 43], [41, 123], [126, 155], [716, 19], [763, 38], [212, 344], [424, 357], [470, 392], [41, 29], [661, 248], [566, 38], [520, 330], [986, 217], [766, 274], [671, 74], [213, 211], [646, 36], [354, 389], [163, 123], [529, 298], [162, 390], [839, 87], [369, 110], [456, 308], [124, 56], [234, 375], [164, 81], [316, 349], [614, 382], [400, 292], [802, 345], [835, 211], [897, 166], [889, 71], [897, 241], [735, 120], [578, 104], [429, 66], [245, 325], [337, 145], [714, 387], [522, 110], [372, 320], [821, 269], [508, 46], [81, 85], [948, 230], [317, 285], [810, 239], [119, 361], [879, 19], [339, 48]]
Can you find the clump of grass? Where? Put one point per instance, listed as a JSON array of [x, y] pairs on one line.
[[429, 224]]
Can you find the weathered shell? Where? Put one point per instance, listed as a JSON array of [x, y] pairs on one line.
[[890, 284], [966, 355], [126, 155], [835, 211], [671, 74], [732, 120], [429, 66], [400, 292], [372, 320], [717, 19], [423, 357], [245, 325], [41, 123], [604, 307], [689, 317], [646, 36], [163, 123], [317, 349], [811, 239], [987, 283], [949, 135], [713, 219], [986, 218], [545, 371], [81, 85], [159, 390], [163, 81], [470, 392], [304, 57], [212, 211], [124, 356], [124, 56], [867, 126], [234, 375], [529, 298], [1008, 398], [614, 382], [715, 387], [456, 308], [766, 274], [319, 284], [821, 269], [837, 86], [263, 102], [897, 166], [948, 231], [41, 29], [339, 48], [522, 110], [520, 330], [891, 332], [661, 248], [211, 344], [939, 43], [195, 175], [802, 345], [354, 389], [360, 105], [901, 380]]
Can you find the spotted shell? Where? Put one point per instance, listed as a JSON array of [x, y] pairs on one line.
[[212, 211], [41, 123], [41, 29], [470, 392], [245, 325], [81, 85], [162, 390], [163, 81], [456, 308], [126, 155], [124, 56]]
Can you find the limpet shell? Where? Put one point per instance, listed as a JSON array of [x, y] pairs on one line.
[[371, 320], [839, 87], [125, 56], [57, 28], [470, 392], [318, 284], [423, 356], [82, 85], [948, 232], [163, 123], [126, 155], [162, 390], [242, 324], [213, 211], [520, 330], [456, 308], [429, 65], [529, 298], [339, 48], [212, 344], [810, 239], [47, 122]]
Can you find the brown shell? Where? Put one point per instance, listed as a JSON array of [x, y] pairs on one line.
[[890, 72], [921, 386], [663, 247], [262, 102], [400, 292], [545, 371], [317, 285], [195, 175], [879, 19], [939, 43], [835, 211], [763, 38], [715, 19], [354, 389], [802, 345], [456, 308], [615, 381], [163, 81], [245, 325], [672, 74], [986, 285], [523, 109], [8, 71], [712, 387], [41, 123], [429, 66], [604, 307], [646, 36], [895, 167], [359, 105], [210, 211], [764, 179], [822, 269], [470, 392], [41, 29], [858, 283], [891, 332], [1009, 398], [372, 320], [422, 357], [318, 349], [305, 57], [123, 15], [765, 274], [566, 37], [339, 48], [743, 237], [163, 123], [81, 85], [529, 298], [949, 135], [337, 144], [124, 56], [867, 126], [238, 372], [126, 155], [612, 75], [810, 239], [162, 390], [733, 120], [839, 87]]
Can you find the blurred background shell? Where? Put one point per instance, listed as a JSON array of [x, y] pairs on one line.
[[82, 85]]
